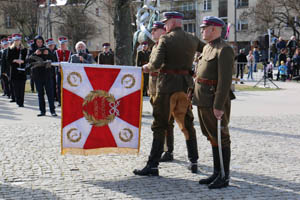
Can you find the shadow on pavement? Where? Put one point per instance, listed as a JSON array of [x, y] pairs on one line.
[[9, 191], [242, 186], [257, 132]]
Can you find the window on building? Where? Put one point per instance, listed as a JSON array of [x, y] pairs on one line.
[[242, 3], [223, 8], [242, 25], [186, 6], [207, 5], [97, 12], [8, 23], [191, 27]]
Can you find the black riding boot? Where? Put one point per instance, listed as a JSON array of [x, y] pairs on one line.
[[168, 155], [220, 182], [192, 150], [216, 160], [151, 169]]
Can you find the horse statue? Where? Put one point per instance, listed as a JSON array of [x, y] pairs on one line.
[[145, 18]]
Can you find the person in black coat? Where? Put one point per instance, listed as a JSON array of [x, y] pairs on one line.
[[40, 59], [4, 69], [52, 51], [242, 61], [16, 60]]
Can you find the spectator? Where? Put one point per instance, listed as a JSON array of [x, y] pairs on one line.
[[241, 62], [281, 58], [256, 58], [292, 46], [269, 70], [274, 52], [289, 65], [281, 44], [296, 61], [282, 69], [250, 59], [82, 56]]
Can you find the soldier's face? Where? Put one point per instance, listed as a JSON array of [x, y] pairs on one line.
[[5, 46], [207, 32], [156, 33]]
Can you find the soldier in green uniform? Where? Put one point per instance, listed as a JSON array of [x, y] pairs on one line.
[[174, 57], [142, 58], [158, 29], [106, 57], [212, 95]]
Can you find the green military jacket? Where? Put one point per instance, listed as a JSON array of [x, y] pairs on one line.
[[153, 79], [175, 51], [216, 63]]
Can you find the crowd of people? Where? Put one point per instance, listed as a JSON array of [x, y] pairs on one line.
[[285, 56], [18, 62]]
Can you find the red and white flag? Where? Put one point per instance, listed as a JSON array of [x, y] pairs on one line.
[[101, 109]]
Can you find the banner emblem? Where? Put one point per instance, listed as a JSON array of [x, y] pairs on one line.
[[100, 108], [74, 79], [128, 81], [73, 135], [126, 135]]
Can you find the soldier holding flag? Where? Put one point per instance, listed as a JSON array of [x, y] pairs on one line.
[[173, 57]]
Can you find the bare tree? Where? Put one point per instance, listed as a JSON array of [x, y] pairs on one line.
[[123, 32], [24, 15], [274, 14], [74, 21]]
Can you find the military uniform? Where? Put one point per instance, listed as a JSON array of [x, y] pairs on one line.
[[4, 71], [213, 91], [62, 56], [142, 58], [106, 58], [174, 57], [153, 77]]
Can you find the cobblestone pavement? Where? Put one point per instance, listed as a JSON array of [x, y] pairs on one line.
[[265, 157]]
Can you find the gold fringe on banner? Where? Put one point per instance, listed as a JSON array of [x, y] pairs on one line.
[[99, 151]]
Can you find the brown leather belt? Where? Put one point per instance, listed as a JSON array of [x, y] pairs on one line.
[[207, 82], [154, 74], [173, 71]]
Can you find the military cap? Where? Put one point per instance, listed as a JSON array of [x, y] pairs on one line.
[[50, 41], [9, 39], [157, 25], [62, 40], [170, 15], [106, 44], [212, 21], [30, 42], [16, 36], [4, 41]]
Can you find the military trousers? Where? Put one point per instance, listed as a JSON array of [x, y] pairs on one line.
[[208, 123], [169, 135], [165, 106]]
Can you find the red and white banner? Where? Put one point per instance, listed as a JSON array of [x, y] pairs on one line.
[[101, 109]]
